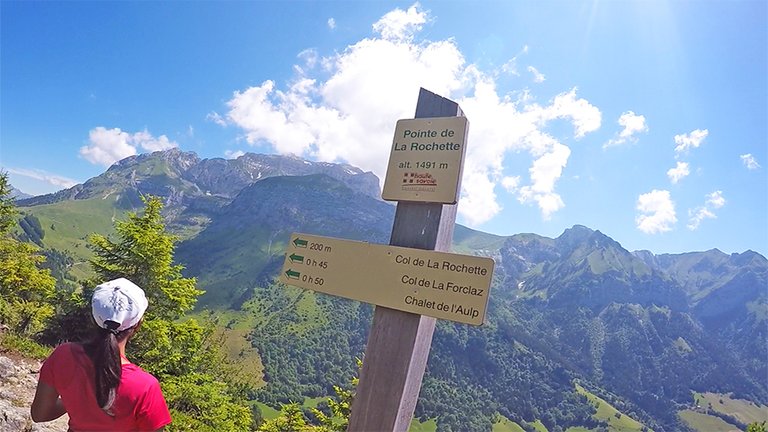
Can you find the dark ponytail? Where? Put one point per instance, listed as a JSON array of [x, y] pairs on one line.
[[105, 355]]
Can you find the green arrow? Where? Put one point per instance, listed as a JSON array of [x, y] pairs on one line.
[[292, 274], [300, 243], [296, 258]]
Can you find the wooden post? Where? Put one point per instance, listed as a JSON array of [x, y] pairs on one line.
[[398, 344]]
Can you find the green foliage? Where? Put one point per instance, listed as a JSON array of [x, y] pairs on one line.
[[23, 346], [67, 225], [59, 263], [72, 317], [179, 352], [609, 415], [583, 312], [8, 210], [143, 254], [308, 343], [32, 229], [756, 427], [25, 288], [200, 403], [165, 347], [291, 419], [340, 406]]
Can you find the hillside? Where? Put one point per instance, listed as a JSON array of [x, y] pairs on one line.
[[243, 246], [639, 331]]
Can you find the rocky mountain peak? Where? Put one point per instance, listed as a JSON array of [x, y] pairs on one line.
[[580, 236], [178, 160], [573, 237], [747, 258], [184, 177], [17, 194]]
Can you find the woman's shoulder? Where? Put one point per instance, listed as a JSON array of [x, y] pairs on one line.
[[63, 359], [67, 349], [137, 377], [70, 346]]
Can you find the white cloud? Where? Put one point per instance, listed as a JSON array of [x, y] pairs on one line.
[[538, 77], [749, 161], [510, 183], [108, 146], [399, 25], [233, 154], [216, 118], [688, 141], [482, 200], [633, 124], [146, 141], [347, 112], [510, 67], [331, 23], [657, 212], [585, 117], [51, 179], [678, 172], [697, 216], [545, 171], [714, 201]]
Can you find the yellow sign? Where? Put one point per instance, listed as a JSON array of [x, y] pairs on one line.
[[425, 161], [442, 285]]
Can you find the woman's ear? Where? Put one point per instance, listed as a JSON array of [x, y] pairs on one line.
[[138, 325], [132, 331]]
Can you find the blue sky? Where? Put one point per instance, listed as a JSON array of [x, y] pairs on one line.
[[645, 120]]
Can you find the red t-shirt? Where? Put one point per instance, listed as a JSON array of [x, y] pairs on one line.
[[139, 405]]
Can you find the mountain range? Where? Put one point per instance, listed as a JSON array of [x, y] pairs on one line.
[[572, 320], [19, 195]]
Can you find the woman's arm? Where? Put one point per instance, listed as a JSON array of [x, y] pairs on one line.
[[47, 405]]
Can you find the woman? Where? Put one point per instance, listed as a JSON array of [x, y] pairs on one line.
[[94, 382]]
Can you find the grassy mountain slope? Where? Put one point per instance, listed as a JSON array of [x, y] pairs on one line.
[[617, 421], [637, 330], [721, 412], [472, 242], [67, 224], [243, 247]]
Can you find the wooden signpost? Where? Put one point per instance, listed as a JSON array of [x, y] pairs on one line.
[[425, 163], [414, 279], [438, 284]]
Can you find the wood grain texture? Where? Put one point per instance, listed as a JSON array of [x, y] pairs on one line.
[[399, 342]]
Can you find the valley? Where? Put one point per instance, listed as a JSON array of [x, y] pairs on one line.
[[581, 334]]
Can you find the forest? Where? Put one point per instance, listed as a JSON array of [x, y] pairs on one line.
[[311, 345]]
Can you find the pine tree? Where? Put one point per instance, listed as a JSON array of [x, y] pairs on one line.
[[143, 254], [25, 288], [291, 419], [167, 345]]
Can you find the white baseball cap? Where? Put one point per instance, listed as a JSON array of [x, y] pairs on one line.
[[118, 304]]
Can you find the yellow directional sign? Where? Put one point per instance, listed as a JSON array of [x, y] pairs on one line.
[[425, 161], [443, 285]]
